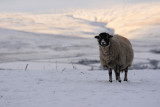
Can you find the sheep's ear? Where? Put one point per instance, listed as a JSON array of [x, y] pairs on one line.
[[97, 37], [110, 36]]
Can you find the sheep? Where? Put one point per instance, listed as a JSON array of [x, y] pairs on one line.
[[115, 53]]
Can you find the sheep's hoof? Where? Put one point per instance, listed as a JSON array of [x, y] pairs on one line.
[[110, 80], [119, 80], [125, 79]]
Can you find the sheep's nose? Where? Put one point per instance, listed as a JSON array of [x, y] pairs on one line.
[[103, 42]]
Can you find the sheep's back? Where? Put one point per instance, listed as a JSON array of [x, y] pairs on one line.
[[125, 50]]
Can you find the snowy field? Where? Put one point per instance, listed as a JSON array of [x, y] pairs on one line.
[[78, 88], [52, 59]]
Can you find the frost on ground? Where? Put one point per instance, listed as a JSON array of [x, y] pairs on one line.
[[78, 88]]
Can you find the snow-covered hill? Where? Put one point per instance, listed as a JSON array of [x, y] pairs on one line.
[[59, 35], [130, 21]]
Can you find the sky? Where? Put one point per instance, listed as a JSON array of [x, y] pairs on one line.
[[49, 5]]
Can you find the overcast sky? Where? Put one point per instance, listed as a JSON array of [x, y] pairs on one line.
[[48, 5]]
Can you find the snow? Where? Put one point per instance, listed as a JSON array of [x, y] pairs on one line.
[[129, 20], [77, 88], [63, 57]]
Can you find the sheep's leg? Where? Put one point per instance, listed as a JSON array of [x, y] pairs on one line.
[[118, 74], [125, 76], [110, 74]]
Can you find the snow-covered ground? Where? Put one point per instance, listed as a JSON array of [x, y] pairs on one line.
[[78, 88], [62, 58]]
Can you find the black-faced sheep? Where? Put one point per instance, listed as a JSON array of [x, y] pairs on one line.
[[115, 53]]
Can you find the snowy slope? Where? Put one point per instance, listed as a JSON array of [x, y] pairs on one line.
[[128, 20], [58, 35], [23, 46]]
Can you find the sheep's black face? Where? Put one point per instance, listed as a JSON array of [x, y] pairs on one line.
[[103, 39]]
